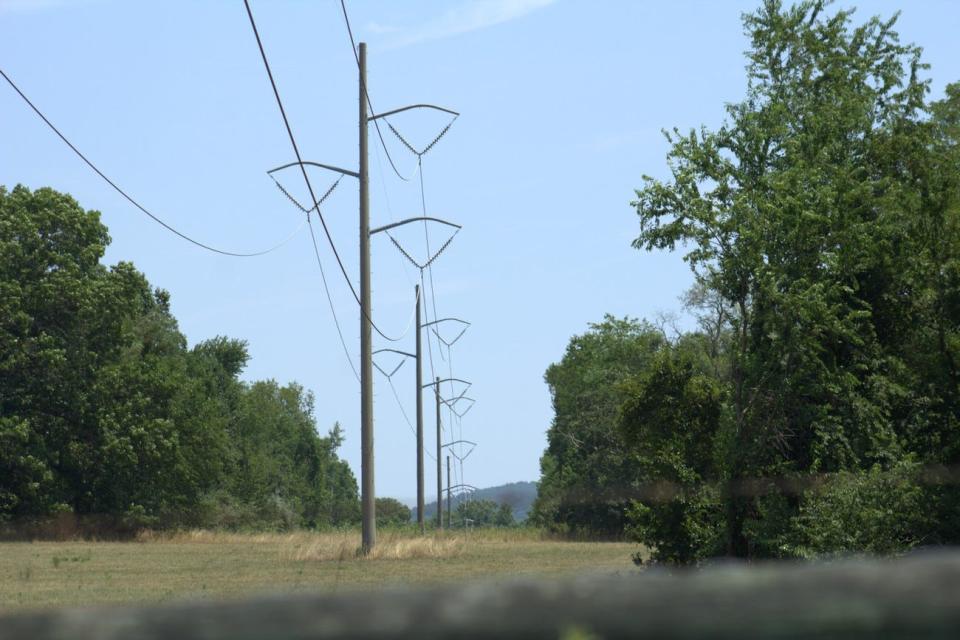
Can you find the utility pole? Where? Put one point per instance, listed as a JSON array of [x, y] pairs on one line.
[[449, 512], [419, 359], [436, 388], [367, 496], [367, 492]]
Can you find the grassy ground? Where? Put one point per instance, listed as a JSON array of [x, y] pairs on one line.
[[216, 565]]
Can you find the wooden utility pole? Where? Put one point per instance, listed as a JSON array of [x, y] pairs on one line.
[[436, 388], [367, 495], [449, 512], [419, 359], [367, 491]]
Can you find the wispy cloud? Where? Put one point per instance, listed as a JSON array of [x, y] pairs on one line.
[[463, 19], [380, 29]]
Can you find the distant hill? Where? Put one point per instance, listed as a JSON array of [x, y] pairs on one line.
[[519, 495]]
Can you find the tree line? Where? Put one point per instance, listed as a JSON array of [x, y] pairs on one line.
[[816, 407], [104, 409]]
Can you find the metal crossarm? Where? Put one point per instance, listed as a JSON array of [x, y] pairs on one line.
[[417, 219], [328, 167], [413, 106], [440, 381]]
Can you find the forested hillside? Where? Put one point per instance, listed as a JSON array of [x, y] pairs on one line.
[[519, 496], [817, 407], [105, 410]]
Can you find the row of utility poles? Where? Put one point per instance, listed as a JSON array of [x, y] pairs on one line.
[[367, 488]]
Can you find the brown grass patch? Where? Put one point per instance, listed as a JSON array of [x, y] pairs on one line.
[[388, 547], [327, 546]]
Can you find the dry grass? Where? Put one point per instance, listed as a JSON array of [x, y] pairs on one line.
[[390, 549], [204, 564]]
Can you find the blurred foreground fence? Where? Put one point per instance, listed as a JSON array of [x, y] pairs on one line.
[[916, 596]]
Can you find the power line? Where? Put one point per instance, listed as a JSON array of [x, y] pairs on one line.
[[296, 150], [366, 93], [428, 265], [426, 233], [405, 416], [326, 290], [129, 198], [306, 178], [393, 217]]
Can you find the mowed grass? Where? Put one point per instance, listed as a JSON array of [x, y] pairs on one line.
[[201, 564]]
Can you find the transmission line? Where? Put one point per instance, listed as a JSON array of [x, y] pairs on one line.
[[419, 154], [130, 198], [306, 178], [403, 412], [366, 103], [366, 93], [326, 290]]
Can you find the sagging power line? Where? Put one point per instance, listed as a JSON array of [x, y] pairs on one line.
[[131, 200], [363, 297]]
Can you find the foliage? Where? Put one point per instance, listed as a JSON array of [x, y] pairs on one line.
[[482, 513], [670, 421], [586, 461], [822, 224], [876, 511], [105, 410], [518, 495], [392, 512]]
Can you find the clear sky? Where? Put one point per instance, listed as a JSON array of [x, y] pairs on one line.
[[562, 104]]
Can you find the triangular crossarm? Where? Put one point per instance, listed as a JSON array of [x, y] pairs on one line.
[[328, 167], [413, 106], [456, 442], [384, 372], [396, 368], [402, 353], [387, 227], [418, 152], [406, 254], [466, 325], [460, 458], [464, 412], [442, 380], [456, 400], [298, 205]]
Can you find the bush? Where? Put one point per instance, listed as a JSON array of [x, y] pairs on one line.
[[684, 530], [392, 513], [878, 512]]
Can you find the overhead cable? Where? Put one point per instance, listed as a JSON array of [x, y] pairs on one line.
[[130, 198], [306, 178], [353, 46]]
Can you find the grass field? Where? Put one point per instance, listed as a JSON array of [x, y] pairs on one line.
[[218, 565]]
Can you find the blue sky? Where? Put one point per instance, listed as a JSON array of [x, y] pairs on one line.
[[562, 104]]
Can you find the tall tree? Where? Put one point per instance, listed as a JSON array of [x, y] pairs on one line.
[[104, 409], [802, 214], [587, 471]]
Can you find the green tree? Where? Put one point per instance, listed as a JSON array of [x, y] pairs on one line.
[[92, 373], [482, 513], [504, 516], [803, 213], [391, 513], [586, 472], [670, 421], [104, 409]]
